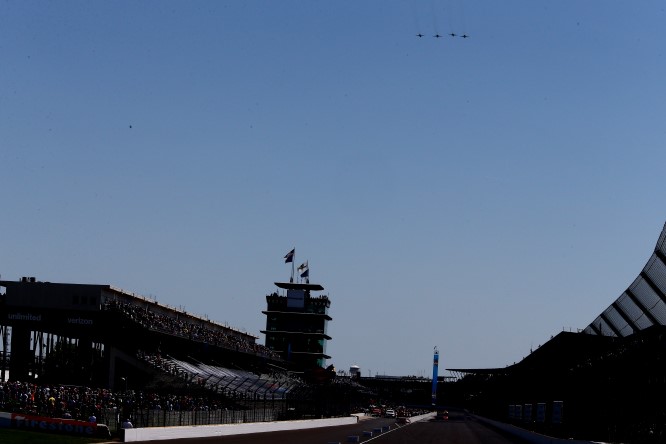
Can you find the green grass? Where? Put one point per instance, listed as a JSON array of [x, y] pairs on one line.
[[13, 436]]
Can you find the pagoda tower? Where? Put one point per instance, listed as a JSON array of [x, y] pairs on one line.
[[296, 323]]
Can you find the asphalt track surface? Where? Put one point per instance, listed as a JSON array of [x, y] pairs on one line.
[[457, 430]]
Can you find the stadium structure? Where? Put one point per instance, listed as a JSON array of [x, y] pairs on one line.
[[604, 382], [104, 336], [84, 335]]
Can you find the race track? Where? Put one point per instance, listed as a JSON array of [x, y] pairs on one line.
[[457, 430]]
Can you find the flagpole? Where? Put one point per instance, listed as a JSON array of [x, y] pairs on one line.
[[292, 267], [291, 257]]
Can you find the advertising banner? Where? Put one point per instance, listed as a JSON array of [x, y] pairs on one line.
[[46, 424]]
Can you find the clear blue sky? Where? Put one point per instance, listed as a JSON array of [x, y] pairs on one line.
[[478, 195]]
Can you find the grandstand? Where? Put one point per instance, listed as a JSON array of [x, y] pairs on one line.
[[80, 335], [603, 383], [55, 329], [640, 306]]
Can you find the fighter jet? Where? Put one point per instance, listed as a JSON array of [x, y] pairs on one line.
[[419, 35], [437, 36], [465, 36], [453, 34]]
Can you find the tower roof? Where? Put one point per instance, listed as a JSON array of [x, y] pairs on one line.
[[300, 286]]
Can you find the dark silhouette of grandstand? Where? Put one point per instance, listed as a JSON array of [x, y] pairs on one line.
[[154, 363], [101, 335], [605, 382], [642, 305]]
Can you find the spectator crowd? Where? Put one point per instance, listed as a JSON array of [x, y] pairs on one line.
[[188, 327], [82, 403]]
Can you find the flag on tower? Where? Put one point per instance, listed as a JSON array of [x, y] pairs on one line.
[[304, 270], [289, 257]]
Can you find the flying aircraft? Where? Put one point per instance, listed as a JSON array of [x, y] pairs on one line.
[[437, 36], [419, 35], [465, 36], [453, 34]]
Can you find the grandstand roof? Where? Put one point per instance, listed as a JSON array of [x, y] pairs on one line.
[[28, 292], [640, 306]]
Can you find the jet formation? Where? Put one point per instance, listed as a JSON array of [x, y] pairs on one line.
[[437, 36]]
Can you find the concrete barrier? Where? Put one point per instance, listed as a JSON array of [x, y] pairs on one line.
[[203, 431], [422, 417], [526, 435]]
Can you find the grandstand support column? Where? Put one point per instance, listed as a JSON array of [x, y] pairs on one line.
[[86, 352], [5, 344], [110, 361], [38, 347], [21, 354], [49, 345], [118, 363]]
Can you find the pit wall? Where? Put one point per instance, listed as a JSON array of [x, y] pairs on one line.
[[163, 433]]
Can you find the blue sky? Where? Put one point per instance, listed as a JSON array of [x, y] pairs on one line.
[[478, 195]]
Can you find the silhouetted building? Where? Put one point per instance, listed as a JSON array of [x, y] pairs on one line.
[[98, 335], [603, 383], [296, 325]]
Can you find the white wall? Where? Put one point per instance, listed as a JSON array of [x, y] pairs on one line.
[[158, 433]]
